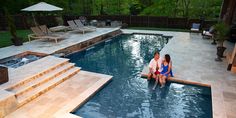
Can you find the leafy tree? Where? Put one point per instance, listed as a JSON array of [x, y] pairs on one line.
[[173, 8], [135, 9]]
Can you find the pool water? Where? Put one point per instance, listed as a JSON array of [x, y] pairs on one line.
[[20, 61], [130, 96]]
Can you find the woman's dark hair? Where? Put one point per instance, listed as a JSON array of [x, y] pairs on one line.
[[167, 57], [156, 52]]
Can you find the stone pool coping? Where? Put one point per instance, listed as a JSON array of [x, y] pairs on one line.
[[173, 79]]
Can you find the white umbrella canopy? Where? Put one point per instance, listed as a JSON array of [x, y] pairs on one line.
[[42, 6]]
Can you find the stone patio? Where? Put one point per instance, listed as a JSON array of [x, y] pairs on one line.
[[193, 60], [49, 47]]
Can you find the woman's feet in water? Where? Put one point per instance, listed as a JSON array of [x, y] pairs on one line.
[[162, 86], [154, 87]]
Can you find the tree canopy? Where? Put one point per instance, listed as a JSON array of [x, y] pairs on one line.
[[209, 9]]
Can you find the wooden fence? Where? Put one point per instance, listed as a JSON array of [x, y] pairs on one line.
[[25, 22]]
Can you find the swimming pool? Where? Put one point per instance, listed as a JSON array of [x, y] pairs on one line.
[[128, 95]]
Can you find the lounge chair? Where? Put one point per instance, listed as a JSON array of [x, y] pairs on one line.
[[39, 34], [116, 23], [208, 33], [80, 24], [75, 28], [45, 30], [83, 19], [195, 27], [101, 24]]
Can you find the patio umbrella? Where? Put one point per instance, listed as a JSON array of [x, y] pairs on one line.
[[42, 6]]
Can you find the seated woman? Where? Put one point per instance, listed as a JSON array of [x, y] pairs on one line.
[[166, 70]]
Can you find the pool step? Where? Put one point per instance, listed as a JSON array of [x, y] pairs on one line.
[[41, 80], [33, 70], [34, 92]]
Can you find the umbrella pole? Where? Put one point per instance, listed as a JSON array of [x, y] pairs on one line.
[[34, 20]]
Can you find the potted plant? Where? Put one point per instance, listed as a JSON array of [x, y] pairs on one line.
[[221, 35], [17, 41]]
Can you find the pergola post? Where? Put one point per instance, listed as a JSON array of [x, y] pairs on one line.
[[232, 63], [227, 13]]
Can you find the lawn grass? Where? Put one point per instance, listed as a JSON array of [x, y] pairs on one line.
[[159, 29], [5, 37]]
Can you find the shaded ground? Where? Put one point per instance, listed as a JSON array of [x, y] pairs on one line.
[[5, 37]]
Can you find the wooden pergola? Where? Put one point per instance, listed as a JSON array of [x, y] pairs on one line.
[[228, 15], [228, 11]]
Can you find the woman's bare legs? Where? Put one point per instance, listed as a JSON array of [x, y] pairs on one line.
[[160, 79], [163, 79]]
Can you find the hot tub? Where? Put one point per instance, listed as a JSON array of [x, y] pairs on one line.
[[21, 59]]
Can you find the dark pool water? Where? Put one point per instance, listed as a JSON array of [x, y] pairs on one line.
[[130, 96], [16, 62]]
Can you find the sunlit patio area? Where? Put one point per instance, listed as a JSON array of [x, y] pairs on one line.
[[195, 66]]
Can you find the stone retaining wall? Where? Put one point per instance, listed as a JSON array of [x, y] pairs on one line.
[[85, 44]]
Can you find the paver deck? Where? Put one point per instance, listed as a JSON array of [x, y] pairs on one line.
[[46, 105], [193, 60], [49, 47]]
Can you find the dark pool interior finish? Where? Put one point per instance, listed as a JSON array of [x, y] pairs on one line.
[[128, 95], [15, 62]]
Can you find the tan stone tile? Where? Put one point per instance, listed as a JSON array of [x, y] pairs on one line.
[[229, 96], [231, 116]]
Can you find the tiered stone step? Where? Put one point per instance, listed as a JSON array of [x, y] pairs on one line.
[[35, 92], [39, 77], [19, 90], [33, 70]]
